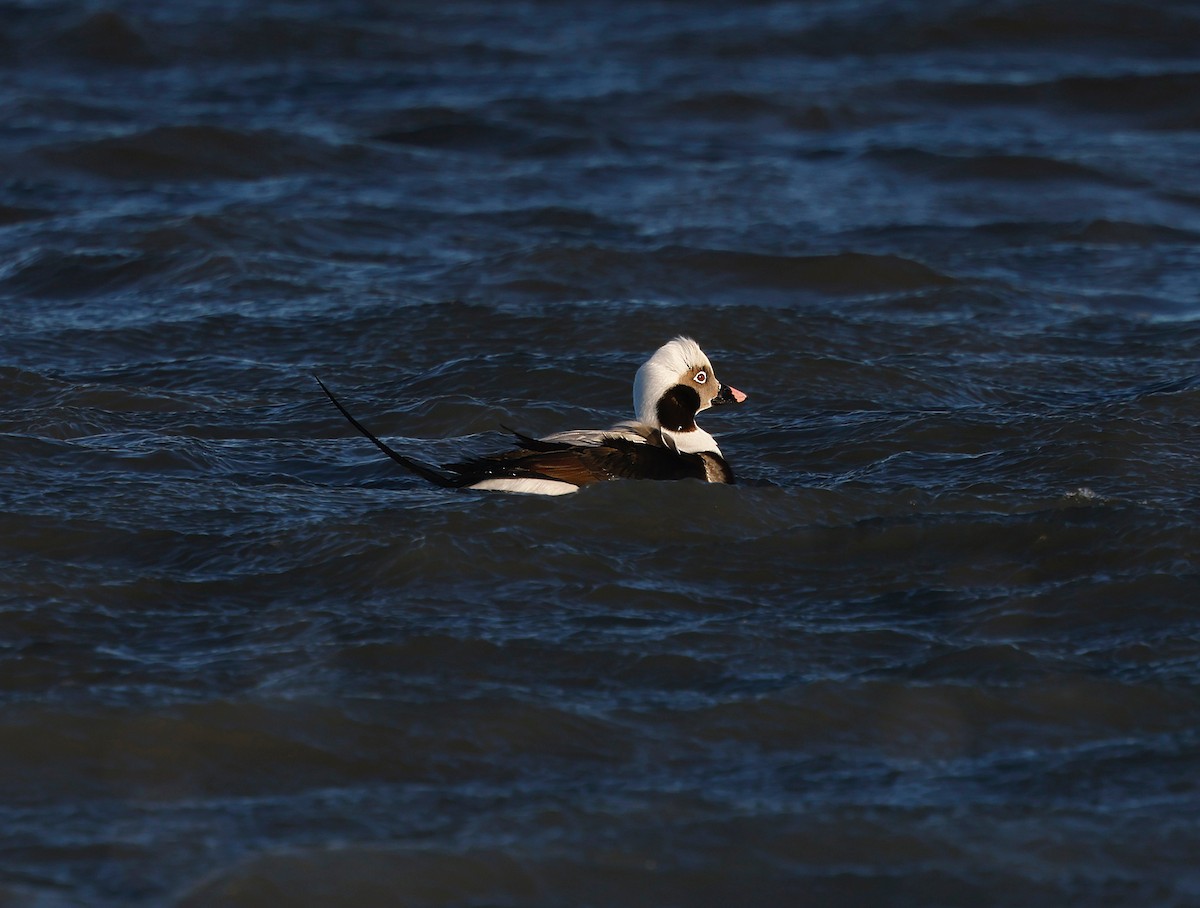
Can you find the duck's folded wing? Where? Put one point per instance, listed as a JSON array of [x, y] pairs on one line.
[[623, 458], [614, 458]]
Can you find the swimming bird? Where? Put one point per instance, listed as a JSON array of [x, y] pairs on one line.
[[663, 442]]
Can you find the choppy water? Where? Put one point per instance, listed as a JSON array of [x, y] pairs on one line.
[[940, 646]]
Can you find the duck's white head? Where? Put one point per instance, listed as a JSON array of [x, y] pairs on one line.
[[672, 386]]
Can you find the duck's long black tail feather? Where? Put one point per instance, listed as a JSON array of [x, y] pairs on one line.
[[408, 463]]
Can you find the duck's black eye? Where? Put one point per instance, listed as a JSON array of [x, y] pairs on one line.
[[701, 377]]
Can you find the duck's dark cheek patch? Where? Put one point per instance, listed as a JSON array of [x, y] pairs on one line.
[[677, 409]]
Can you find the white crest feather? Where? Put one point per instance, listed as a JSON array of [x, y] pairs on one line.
[[661, 372]]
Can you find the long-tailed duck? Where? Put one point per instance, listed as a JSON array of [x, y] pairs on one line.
[[664, 442]]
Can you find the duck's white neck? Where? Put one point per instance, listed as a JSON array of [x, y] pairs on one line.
[[696, 441]]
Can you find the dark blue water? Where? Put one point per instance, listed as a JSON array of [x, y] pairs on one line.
[[940, 645]]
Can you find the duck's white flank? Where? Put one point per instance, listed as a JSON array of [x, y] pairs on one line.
[[527, 485]]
